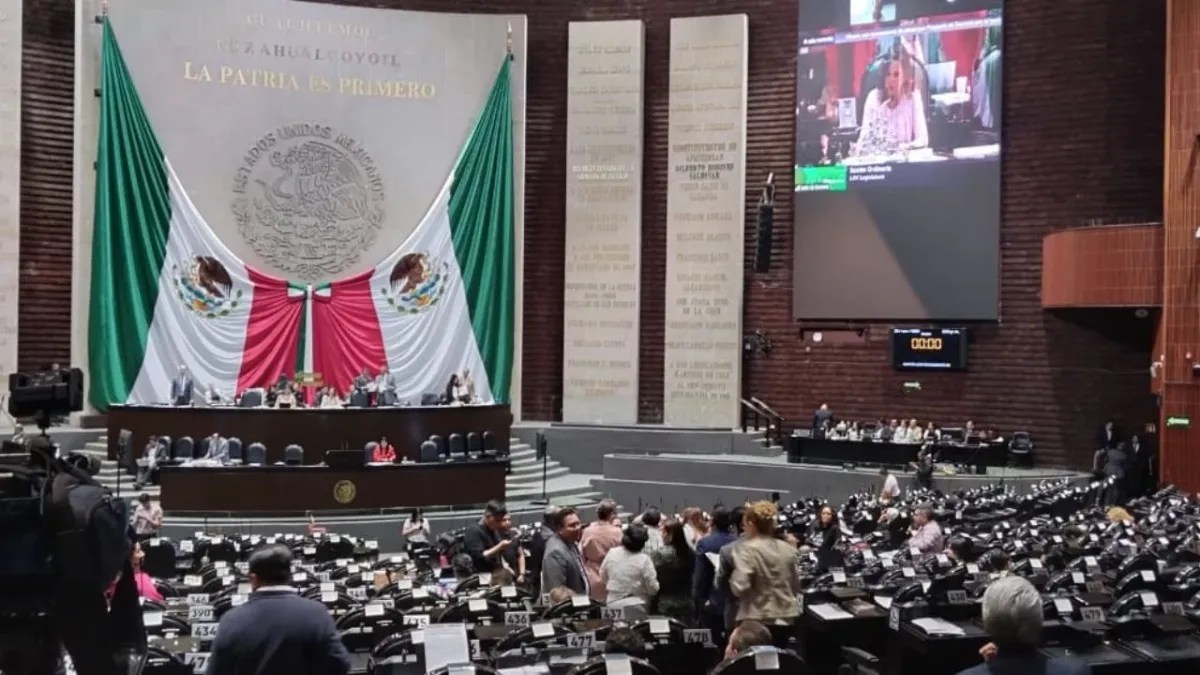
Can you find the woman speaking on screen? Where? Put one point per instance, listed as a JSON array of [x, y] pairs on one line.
[[894, 112]]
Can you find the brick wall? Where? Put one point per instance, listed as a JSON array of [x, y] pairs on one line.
[[1083, 141], [47, 146]]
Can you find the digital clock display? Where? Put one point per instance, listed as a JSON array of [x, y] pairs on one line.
[[929, 348]]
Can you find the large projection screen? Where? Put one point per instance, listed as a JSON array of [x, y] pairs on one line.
[[898, 129]]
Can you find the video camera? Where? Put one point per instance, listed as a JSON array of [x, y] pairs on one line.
[[65, 576], [45, 396]]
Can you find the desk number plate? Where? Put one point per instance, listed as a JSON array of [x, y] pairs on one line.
[[697, 636], [198, 661], [1091, 614], [894, 618]]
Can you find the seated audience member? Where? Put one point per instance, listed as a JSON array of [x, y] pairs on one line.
[[416, 528], [217, 451], [329, 399], [384, 452], [891, 487], [143, 581], [747, 634], [147, 517], [627, 571], [764, 570], [277, 630], [286, 398], [558, 595], [926, 533], [503, 577], [854, 433], [1013, 618], [625, 641], [995, 561], [485, 541], [155, 453], [462, 567], [468, 386], [960, 549]]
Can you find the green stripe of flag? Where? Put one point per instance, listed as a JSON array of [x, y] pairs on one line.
[[481, 225], [129, 239]]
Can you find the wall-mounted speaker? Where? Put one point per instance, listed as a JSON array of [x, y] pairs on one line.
[[766, 228]]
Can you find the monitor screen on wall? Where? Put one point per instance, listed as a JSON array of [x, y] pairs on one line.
[[898, 150]]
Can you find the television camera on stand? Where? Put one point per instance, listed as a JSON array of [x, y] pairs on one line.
[[65, 549]]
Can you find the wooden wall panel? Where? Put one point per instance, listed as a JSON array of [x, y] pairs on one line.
[[1115, 266], [1066, 165], [1181, 286], [47, 144]]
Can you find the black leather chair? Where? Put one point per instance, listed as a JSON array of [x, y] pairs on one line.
[[474, 443], [251, 398], [1020, 449], [236, 452], [429, 452], [182, 449], [489, 442], [369, 451], [440, 443], [458, 446], [256, 454], [293, 455]]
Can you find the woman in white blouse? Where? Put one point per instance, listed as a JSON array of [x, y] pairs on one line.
[[416, 528], [627, 570], [893, 119]]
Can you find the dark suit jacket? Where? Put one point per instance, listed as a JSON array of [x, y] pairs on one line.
[[278, 633], [563, 566], [1104, 441], [181, 393], [477, 539], [1030, 664]]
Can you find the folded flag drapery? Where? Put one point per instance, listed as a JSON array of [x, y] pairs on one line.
[[167, 292]]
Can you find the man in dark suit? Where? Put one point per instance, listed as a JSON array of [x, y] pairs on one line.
[[1140, 479], [537, 547], [1012, 617], [1107, 438], [181, 387], [563, 563], [277, 632], [822, 418]]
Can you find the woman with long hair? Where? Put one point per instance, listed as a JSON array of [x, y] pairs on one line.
[[824, 537], [416, 528], [695, 525], [674, 564], [893, 118]]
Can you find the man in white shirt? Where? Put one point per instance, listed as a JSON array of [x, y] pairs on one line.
[[891, 487]]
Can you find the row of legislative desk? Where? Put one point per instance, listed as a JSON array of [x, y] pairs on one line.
[[811, 450], [276, 489]]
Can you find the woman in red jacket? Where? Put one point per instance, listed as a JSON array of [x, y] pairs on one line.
[[384, 453]]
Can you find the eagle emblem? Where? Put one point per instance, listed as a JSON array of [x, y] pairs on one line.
[[416, 283], [205, 287]]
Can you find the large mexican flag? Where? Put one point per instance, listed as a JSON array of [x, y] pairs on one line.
[[166, 292]]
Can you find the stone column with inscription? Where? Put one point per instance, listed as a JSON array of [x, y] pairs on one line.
[[604, 220], [10, 183], [706, 186], [88, 39]]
